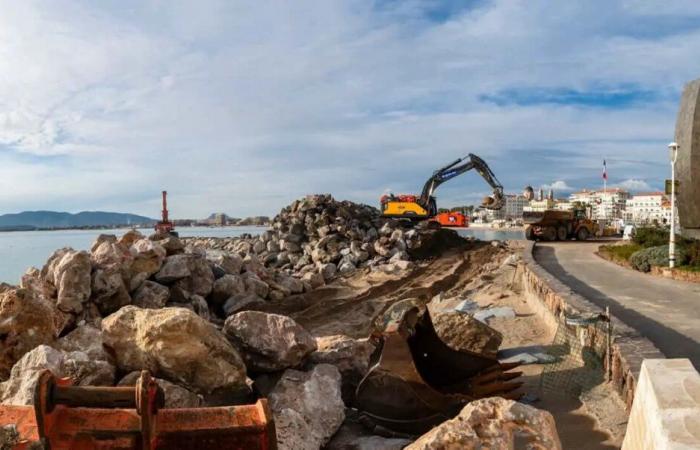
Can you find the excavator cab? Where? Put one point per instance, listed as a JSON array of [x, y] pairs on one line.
[[416, 381], [417, 208]]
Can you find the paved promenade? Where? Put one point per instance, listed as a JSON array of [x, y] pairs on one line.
[[666, 311]]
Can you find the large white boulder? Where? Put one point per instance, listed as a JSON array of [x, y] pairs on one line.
[[175, 344], [307, 407], [494, 423], [269, 342]]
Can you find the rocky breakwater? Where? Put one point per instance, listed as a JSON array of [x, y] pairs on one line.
[[185, 312], [317, 238]]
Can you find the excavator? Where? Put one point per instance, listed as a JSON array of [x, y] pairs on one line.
[[416, 208]]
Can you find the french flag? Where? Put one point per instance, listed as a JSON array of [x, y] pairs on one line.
[[605, 171]]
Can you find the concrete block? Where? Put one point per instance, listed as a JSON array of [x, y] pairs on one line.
[[666, 409], [688, 162]]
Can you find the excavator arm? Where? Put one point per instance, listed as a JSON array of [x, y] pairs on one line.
[[454, 169]]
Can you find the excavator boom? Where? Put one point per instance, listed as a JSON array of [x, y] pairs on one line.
[[424, 207]]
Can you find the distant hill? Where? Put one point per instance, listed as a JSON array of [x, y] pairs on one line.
[[53, 219]]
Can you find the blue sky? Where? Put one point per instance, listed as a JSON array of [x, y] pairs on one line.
[[241, 107]]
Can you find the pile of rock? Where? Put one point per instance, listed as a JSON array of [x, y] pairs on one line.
[[186, 314], [319, 235]]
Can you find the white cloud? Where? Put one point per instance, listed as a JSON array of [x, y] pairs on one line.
[[558, 186], [634, 185], [241, 109]]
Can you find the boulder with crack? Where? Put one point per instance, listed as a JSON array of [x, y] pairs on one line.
[[464, 333], [307, 407], [175, 344], [493, 423], [78, 366], [148, 259], [269, 342], [151, 295], [25, 322], [350, 356], [87, 339], [69, 273]]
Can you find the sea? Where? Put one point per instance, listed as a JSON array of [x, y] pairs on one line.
[[20, 250]]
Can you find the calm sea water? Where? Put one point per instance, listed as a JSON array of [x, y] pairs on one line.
[[20, 250]]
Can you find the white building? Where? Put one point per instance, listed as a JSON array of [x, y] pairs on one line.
[[605, 205], [648, 208], [512, 208]]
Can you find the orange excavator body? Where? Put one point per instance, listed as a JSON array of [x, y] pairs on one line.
[[82, 418]]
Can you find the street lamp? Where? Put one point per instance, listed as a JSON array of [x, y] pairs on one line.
[[673, 154]]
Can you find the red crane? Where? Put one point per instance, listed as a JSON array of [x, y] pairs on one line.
[[165, 226]]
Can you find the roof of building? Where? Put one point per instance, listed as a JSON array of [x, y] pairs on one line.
[[649, 194], [599, 191]]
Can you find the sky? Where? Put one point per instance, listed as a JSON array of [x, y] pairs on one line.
[[241, 107]]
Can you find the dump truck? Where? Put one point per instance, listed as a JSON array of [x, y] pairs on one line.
[[553, 225], [423, 207]]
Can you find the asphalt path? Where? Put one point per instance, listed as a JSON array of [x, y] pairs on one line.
[[665, 311]]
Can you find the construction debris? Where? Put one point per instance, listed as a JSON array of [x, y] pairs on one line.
[[289, 315]]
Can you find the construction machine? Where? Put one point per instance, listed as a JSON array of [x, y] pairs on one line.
[[561, 225], [95, 417], [165, 226], [417, 208], [417, 381]]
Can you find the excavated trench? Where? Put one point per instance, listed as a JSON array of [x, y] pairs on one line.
[[476, 271]]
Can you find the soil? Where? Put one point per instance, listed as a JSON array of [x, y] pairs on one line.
[[483, 273]]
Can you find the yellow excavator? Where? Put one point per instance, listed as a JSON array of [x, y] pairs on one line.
[[424, 207]]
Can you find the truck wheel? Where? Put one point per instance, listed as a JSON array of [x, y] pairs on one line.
[[582, 234], [562, 234], [549, 234], [530, 233]]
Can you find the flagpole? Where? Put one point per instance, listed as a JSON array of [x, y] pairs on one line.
[[605, 189]]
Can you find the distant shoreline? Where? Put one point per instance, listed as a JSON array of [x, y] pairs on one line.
[[119, 227]]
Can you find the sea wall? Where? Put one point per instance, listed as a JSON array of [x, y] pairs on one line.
[[666, 410], [551, 300]]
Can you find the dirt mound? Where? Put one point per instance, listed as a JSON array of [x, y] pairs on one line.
[[433, 243]]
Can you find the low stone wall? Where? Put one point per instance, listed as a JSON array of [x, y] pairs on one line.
[[676, 274], [551, 299], [666, 410]]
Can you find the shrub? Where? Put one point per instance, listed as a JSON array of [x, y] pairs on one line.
[[692, 250], [621, 252], [650, 237], [644, 259]]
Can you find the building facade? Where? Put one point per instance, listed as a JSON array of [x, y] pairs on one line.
[[648, 208], [605, 205], [512, 209]]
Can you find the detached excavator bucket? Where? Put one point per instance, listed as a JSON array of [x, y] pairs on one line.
[[418, 381], [77, 417]]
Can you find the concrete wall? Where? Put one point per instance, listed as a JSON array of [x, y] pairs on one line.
[[551, 299], [688, 162], [666, 410]]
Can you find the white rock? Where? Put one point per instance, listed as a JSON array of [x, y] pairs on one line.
[[308, 407], [269, 342], [176, 344], [493, 423]]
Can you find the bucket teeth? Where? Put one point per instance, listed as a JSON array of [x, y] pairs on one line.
[[496, 388], [510, 365]]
